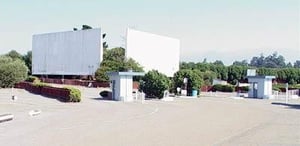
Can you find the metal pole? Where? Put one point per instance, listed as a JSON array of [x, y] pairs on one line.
[[286, 92]]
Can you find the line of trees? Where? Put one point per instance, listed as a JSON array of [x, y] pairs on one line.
[[272, 65], [271, 61]]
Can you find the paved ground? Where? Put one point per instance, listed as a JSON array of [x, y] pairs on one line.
[[202, 121]]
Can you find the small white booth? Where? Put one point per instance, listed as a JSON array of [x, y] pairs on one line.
[[260, 86], [121, 85]]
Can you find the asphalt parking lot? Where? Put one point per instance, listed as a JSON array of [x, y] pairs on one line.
[[217, 120]]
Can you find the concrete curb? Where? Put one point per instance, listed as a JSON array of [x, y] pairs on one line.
[[6, 117]]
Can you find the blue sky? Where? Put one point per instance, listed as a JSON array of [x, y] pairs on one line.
[[225, 30]]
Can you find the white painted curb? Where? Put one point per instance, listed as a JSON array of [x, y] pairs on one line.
[[6, 117], [34, 112], [168, 99]]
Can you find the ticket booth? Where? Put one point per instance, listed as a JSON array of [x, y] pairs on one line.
[[260, 86], [121, 85]]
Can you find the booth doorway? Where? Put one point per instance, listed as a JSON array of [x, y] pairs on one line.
[[254, 87], [113, 82]]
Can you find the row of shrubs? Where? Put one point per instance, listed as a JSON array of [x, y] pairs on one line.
[[75, 94], [33, 79], [230, 88], [281, 87], [223, 88], [37, 87]]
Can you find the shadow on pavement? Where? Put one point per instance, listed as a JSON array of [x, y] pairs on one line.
[[292, 106], [102, 98]]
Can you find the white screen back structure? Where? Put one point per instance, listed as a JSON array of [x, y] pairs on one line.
[[153, 51], [67, 53]]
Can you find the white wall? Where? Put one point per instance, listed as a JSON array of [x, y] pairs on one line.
[[153, 51], [123, 88], [268, 88], [67, 53], [126, 88]]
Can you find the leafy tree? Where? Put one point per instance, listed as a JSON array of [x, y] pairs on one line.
[[266, 71], [114, 54], [28, 61], [185, 65], [195, 79], [218, 62], [104, 44], [297, 64], [12, 71], [292, 75], [84, 27], [271, 61], [221, 71], [274, 61], [115, 60], [204, 60], [208, 77], [281, 75], [132, 65], [154, 84], [240, 63], [203, 66], [257, 61], [286, 75], [100, 74], [236, 74], [14, 55], [289, 65], [217, 67]]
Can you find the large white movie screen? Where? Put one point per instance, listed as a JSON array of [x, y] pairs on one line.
[[67, 53], [153, 51]]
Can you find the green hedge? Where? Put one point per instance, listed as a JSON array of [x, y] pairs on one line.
[[275, 88], [40, 84], [223, 88], [33, 79], [295, 86], [75, 94]]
